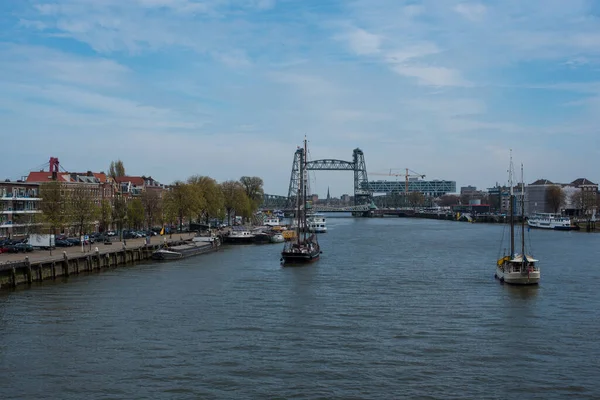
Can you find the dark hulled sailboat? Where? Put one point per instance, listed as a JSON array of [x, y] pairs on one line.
[[305, 247]]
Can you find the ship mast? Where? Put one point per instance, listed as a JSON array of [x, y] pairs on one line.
[[305, 183], [512, 210], [522, 215], [299, 199]]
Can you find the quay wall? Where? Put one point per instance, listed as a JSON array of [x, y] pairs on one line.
[[28, 269]]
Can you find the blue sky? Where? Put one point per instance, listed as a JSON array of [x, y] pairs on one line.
[[228, 88]]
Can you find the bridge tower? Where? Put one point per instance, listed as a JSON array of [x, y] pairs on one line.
[[362, 193], [295, 179]]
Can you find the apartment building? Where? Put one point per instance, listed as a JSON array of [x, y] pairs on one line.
[[19, 206]]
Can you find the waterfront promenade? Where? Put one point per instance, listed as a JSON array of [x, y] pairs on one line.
[[42, 256]]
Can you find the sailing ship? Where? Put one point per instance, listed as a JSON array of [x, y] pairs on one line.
[[514, 268], [304, 248]]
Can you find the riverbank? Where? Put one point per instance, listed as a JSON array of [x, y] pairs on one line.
[[26, 268]]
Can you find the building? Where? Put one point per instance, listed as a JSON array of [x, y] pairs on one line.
[[435, 188], [581, 197], [468, 190], [536, 197], [19, 206], [134, 186]]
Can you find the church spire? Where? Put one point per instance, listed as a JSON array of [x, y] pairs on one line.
[[328, 196]]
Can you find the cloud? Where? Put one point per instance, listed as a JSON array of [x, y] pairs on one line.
[[471, 11], [434, 76], [363, 42], [435, 81]]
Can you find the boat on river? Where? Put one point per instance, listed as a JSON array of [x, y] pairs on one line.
[[239, 235], [550, 221], [302, 249], [184, 250], [514, 268]]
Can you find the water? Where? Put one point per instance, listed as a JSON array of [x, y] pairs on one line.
[[395, 308]]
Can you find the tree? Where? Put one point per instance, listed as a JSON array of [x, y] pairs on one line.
[[135, 213], [105, 214], [555, 198], [253, 186], [584, 201], [179, 202], [212, 195], [416, 199], [53, 205], [116, 169], [152, 203], [234, 198], [448, 200], [83, 209], [119, 213], [197, 197]]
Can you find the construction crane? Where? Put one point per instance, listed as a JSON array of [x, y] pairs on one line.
[[406, 176]]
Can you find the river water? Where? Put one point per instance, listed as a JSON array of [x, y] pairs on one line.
[[395, 308]]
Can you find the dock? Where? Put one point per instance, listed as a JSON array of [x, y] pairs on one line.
[[26, 268]]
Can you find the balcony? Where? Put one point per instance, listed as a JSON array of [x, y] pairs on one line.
[[19, 196], [10, 212]]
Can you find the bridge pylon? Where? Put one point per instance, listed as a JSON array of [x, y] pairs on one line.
[[362, 193]]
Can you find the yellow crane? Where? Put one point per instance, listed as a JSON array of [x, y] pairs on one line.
[[406, 176]]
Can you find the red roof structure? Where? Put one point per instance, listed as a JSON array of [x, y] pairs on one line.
[[134, 180]]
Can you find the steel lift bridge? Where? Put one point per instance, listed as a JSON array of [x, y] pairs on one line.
[[362, 197]]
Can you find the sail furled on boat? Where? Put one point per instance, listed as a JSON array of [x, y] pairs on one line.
[[503, 260]]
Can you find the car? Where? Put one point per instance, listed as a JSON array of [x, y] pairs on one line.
[[23, 248]]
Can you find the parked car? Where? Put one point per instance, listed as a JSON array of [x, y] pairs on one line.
[[23, 248]]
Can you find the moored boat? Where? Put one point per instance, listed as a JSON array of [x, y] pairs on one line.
[[239, 235], [550, 221], [184, 250], [317, 223]]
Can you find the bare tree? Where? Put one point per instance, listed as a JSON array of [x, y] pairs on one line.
[[416, 199], [448, 200], [555, 197]]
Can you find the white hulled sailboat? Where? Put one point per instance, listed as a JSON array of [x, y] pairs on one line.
[[513, 268]]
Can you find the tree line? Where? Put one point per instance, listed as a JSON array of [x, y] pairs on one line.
[[198, 199]]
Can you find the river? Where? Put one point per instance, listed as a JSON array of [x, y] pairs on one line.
[[395, 308]]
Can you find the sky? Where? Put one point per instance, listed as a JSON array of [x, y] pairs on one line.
[[228, 88]]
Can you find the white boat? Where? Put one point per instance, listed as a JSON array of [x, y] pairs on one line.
[[513, 268], [272, 221], [277, 238], [317, 223], [239, 234], [550, 221]]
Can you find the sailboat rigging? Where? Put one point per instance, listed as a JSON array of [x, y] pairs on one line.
[[305, 247], [517, 269]]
